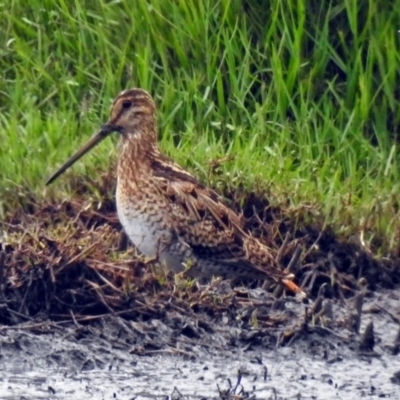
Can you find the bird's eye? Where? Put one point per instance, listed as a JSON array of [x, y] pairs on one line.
[[127, 104]]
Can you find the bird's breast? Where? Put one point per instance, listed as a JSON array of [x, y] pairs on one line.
[[143, 219]]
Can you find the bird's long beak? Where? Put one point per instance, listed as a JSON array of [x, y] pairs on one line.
[[93, 141]]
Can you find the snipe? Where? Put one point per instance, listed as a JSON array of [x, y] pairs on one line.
[[167, 213]]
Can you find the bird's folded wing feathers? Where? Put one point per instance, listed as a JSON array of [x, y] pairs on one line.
[[203, 210], [201, 203]]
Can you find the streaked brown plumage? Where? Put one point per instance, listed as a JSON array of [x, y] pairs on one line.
[[167, 213]]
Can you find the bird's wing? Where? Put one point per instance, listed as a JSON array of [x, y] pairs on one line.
[[213, 230], [200, 217], [195, 202]]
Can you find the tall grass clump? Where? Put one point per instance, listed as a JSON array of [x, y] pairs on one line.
[[300, 98]]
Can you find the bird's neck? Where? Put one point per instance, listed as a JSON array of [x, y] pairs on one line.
[[137, 150]]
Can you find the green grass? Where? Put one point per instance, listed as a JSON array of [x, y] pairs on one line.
[[303, 96]]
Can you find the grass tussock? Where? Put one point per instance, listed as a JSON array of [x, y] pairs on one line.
[[290, 109], [68, 262]]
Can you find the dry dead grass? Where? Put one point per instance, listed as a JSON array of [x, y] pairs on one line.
[[71, 260]]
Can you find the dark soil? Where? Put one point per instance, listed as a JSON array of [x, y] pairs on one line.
[[81, 310]]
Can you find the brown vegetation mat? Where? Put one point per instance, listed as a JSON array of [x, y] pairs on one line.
[[70, 261]]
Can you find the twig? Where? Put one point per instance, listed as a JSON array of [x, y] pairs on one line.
[[2, 275], [282, 249], [295, 258], [392, 316], [79, 255]]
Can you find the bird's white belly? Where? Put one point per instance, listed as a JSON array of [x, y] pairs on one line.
[[142, 232], [150, 238]]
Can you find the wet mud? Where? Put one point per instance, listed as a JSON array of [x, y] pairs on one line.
[[83, 316], [113, 358]]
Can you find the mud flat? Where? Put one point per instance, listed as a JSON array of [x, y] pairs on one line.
[[82, 316], [114, 358]]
